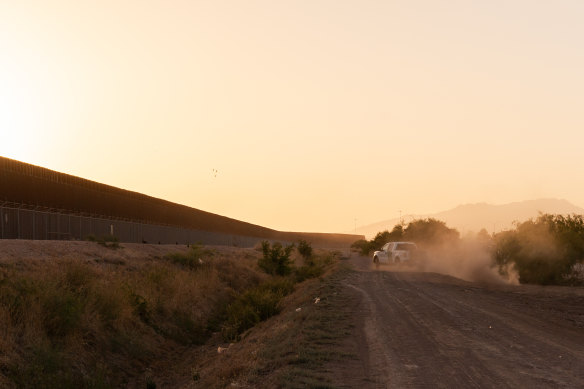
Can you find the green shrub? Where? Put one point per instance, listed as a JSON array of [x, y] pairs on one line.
[[276, 259], [362, 246], [281, 286], [316, 266], [381, 238], [425, 232], [305, 250], [308, 271], [62, 312], [429, 232], [255, 305], [543, 251]]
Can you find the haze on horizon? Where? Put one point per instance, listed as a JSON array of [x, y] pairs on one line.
[[301, 115]]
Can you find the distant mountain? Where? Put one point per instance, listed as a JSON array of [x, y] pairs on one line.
[[474, 217]]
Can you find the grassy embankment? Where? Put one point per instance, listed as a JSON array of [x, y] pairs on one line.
[[108, 323], [96, 323], [299, 348]]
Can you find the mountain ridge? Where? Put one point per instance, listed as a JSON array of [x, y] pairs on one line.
[[472, 217]]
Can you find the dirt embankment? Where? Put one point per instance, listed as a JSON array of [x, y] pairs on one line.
[[78, 314], [355, 327]]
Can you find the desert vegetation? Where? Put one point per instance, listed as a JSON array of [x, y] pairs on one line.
[[263, 301], [296, 348], [103, 322], [545, 250], [276, 258], [425, 232], [95, 323]]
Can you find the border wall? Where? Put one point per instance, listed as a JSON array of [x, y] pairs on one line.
[[20, 223], [38, 203]]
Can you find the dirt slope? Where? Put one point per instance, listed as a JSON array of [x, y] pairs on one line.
[[429, 330]]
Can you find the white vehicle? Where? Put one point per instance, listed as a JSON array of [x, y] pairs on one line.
[[395, 252]]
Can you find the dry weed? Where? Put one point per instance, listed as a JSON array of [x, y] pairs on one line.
[[88, 322]]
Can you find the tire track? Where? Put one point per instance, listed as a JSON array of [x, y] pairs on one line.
[[425, 330]]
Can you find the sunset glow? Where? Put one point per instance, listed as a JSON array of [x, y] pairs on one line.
[[302, 115]]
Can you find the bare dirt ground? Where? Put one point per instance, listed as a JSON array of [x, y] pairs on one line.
[[427, 330], [387, 328]]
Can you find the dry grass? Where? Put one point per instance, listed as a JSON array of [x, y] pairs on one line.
[[291, 350], [78, 314], [104, 322]]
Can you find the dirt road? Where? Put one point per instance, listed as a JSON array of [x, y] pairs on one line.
[[427, 330]]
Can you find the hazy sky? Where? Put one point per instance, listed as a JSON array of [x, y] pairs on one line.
[[314, 113]]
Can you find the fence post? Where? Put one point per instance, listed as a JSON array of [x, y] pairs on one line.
[[18, 223]]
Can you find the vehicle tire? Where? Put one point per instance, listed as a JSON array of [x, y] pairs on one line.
[[376, 262]]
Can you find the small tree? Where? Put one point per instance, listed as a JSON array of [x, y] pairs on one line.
[[381, 238], [276, 259], [362, 246], [430, 232], [305, 250]]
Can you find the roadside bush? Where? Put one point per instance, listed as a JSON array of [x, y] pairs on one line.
[[425, 232], [316, 266], [362, 246], [383, 237], [308, 271], [276, 259], [367, 247], [255, 305], [430, 232], [544, 251], [305, 250]]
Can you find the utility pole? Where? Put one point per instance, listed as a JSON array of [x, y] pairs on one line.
[[355, 225]]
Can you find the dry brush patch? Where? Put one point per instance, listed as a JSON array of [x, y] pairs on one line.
[[90, 322], [117, 318], [295, 349]]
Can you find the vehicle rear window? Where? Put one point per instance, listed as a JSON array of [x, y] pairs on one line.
[[405, 246]]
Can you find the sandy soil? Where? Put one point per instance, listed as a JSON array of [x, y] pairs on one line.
[[415, 330], [18, 249]]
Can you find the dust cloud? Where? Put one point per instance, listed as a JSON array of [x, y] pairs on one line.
[[470, 260]]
